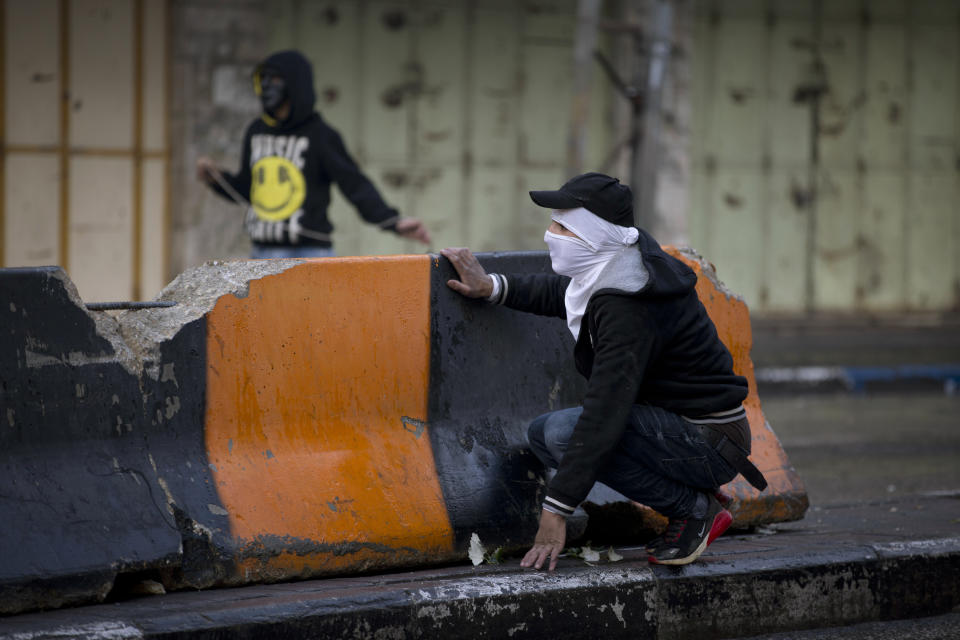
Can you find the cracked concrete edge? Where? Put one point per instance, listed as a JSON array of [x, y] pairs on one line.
[[709, 271], [105, 325], [926, 547], [136, 335]]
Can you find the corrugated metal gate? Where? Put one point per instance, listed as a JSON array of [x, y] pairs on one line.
[[827, 152], [83, 142], [455, 109]]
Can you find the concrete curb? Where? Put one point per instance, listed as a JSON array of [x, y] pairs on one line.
[[728, 594]]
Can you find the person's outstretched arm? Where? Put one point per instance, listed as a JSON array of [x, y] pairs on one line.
[[207, 172], [358, 189]]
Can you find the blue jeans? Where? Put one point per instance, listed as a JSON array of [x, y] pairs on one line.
[[661, 461], [259, 252]]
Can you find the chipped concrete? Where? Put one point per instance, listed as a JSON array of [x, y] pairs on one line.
[[173, 406], [195, 292], [168, 374], [217, 510], [136, 335], [106, 327], [709, 271]]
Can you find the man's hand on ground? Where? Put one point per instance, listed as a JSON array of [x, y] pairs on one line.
[[474, 281], [548, 543], [413, 229]]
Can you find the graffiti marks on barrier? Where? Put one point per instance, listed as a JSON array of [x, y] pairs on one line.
[[217, 510], [168, 374], [418, 426], [173, 405], [337, 506], [554, 394], [617, 609]]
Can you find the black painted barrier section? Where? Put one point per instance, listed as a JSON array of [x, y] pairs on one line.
[[492, 370], [93, 457]]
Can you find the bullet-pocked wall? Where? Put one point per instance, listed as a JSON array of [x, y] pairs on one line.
[[455, 108], [83, 146], [826, 146]]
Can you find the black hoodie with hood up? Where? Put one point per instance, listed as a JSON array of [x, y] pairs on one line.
[[286, 168], [655, 345]]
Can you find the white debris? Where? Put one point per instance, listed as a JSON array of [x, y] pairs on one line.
[[477, 552], [590, 555]]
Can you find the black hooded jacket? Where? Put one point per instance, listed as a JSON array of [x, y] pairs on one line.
[[286, 168], [653, 346]]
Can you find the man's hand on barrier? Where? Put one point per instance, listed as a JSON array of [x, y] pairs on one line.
[[474, 281], [548, 543]]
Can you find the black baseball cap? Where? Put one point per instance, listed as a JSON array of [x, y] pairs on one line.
[[598, 193]]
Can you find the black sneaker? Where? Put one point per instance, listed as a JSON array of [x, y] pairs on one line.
[[724, 501], [686, 539]]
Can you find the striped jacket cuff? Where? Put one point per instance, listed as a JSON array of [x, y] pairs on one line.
[[555, 506], [499, 294]]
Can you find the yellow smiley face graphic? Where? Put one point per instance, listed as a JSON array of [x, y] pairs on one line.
[[276, 188]]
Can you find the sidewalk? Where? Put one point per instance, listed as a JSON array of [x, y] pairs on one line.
[[798, 354], [840, 565]]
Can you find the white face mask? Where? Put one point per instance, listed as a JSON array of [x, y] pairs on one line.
[[569, 255], [584, 257]]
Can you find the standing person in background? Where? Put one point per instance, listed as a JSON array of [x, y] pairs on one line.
[[289, 160]]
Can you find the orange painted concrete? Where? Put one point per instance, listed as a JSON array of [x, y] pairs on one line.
[[785, 498], [315, 419]]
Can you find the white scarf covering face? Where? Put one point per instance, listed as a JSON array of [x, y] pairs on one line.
[[584, 258]]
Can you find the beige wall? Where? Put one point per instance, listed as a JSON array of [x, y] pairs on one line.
[[485, 112], [859, 211], [215, 45], [456, 108], [453, 108], [84, 142]]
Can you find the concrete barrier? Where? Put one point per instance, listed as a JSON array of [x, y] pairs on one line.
[[289, 419], [99, 450], [785, 498]]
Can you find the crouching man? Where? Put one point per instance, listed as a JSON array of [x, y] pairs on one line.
[[662, 421]]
